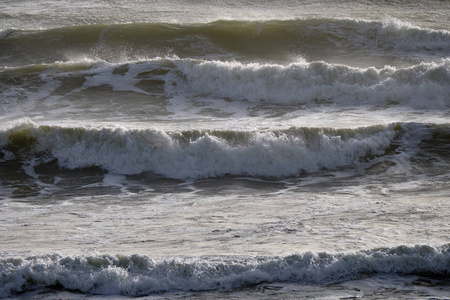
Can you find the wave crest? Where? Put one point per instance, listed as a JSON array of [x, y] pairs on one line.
[[423, 85], [137, 275], [197, 154]]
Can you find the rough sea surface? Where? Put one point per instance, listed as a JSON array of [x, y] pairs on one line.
[[225, 149]]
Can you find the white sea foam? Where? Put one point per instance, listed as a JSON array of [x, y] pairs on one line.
[[139, 275], [405, 36], [423, 85], [199, 154], [308, 84], [389, 34]]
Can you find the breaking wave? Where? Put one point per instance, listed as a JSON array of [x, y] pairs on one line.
[[196, 153], [137, 275], [425, 85]]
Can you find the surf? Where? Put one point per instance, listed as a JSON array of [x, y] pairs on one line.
[[425, 85], [138, 275], [196, 154]]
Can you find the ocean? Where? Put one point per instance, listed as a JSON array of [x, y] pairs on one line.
[[224, 149]]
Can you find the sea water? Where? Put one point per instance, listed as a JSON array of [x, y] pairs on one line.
[[225, 149]]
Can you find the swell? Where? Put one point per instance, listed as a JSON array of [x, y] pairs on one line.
[[137, 275], [274, 39]]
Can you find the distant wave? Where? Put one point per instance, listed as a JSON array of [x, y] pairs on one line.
[[257, 39], [137, 275]]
